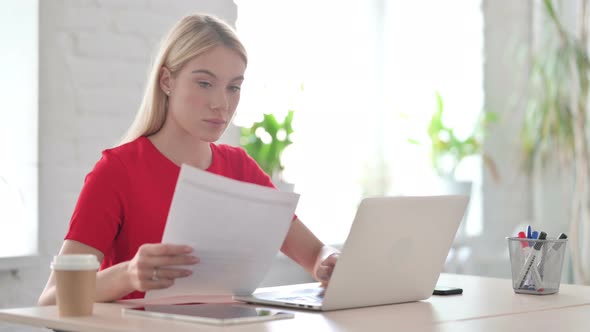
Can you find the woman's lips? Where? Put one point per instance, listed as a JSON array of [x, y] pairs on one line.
[[216, 122]]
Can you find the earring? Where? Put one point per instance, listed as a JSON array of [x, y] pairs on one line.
[[168, 92]]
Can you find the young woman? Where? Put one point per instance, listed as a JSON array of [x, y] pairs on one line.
[[191, 96]]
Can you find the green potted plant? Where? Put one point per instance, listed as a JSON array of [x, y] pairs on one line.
[[265, 142], [555, 131], [447, 150]]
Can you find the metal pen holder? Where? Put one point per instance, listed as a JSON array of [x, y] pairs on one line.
[[536, 264]]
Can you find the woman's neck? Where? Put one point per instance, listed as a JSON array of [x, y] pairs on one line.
[[183, 149]]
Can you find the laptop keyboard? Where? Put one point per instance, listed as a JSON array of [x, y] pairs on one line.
[[306, 295], [304, 298]]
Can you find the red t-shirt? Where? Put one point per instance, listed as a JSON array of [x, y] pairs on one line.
[[125, 199]]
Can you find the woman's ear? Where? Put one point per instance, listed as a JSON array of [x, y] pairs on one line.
[[166, 80]]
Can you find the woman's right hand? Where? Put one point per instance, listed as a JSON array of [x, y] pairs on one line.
[[151, 268]]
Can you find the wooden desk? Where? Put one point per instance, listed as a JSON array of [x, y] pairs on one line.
[[570, 319], [487, 303]]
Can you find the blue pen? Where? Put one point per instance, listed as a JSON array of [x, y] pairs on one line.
[[534, 236], [528, 232], [529, 236]]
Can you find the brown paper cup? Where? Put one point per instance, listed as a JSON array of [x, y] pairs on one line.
[[75, 284]]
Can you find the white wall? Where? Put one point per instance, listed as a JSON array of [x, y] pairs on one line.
[[508, 202]]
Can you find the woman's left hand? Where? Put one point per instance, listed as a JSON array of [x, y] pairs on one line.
[[325, 263], [324, 271]]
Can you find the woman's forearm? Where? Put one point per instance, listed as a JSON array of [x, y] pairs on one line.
[[111, 284], [301, 245]]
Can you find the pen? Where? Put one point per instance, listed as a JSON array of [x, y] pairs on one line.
[[523, 244], [534, 236], [528, 232], [550, 252], [556, 246], [530, 266]]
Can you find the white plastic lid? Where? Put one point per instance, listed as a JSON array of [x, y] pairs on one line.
[[74, 262]]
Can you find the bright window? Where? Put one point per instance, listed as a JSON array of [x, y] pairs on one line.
[[18, 128], [366, 67]]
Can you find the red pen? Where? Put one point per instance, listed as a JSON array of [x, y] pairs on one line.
[[523, 244]]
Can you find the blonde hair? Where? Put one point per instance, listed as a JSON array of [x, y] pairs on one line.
[[190, 37]]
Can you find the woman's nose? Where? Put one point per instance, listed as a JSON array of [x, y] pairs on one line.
[[219, 101]]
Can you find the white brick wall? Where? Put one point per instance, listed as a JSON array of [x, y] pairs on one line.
[[94, 58]]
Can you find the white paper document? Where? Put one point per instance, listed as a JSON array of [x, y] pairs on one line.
[[235, 228]]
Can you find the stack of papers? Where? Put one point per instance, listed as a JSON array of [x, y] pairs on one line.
[[235, 228]]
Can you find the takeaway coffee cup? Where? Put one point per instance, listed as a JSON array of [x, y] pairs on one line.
[[75, 283]]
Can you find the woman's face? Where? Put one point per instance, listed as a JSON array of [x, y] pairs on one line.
[[205, 93]]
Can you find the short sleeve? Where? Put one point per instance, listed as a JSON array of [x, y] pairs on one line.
[[255, 173], [98, 214], [252, 171]]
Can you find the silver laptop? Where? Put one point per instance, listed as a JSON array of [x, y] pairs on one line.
[[394, 253]]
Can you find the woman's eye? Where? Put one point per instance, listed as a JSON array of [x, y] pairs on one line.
[[204, 84], [235, 88]]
